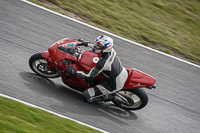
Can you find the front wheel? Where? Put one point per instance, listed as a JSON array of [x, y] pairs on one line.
[[133, 99], [39, 65]]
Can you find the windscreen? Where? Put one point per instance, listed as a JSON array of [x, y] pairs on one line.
[[69, 48]]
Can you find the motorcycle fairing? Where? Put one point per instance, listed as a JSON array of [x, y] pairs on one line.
[[87, 61]]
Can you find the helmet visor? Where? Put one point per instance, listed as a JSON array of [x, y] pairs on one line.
[[98, 46]]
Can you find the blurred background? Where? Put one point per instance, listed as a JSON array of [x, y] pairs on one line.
[[169, 26]]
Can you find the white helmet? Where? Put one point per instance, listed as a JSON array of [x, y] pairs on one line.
[[103, 44]]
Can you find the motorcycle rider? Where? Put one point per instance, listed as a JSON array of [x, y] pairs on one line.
[[108, 64]]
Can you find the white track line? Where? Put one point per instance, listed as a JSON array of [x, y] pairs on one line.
[[29, 104], [111, 34]]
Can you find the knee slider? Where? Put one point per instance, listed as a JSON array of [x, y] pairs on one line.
[[87, 96]]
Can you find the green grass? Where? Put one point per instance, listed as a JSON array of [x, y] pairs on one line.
[[172, 25], [19, 118]]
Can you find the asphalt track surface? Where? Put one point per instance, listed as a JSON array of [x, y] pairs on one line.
[[174, 106]]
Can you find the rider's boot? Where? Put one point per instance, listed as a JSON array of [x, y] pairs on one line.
[[99, 98], [109, 97]]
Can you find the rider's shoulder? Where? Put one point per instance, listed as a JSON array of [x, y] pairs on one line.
[[106, 55]]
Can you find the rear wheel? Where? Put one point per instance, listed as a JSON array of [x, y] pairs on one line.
[[39, 65], [133, 99]]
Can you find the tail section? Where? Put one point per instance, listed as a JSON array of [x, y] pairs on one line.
[[138, 79]]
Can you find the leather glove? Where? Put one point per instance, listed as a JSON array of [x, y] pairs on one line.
[[83, 44], [70, 70]]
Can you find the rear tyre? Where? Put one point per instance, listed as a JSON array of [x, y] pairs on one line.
[[133, 99], [39, 65]]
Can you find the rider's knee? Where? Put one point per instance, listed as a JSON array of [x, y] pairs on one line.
[[87, 96]]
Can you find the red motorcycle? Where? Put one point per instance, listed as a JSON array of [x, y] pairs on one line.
[[64, 53]]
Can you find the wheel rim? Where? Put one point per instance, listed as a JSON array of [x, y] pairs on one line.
[[134, 101], [40, 67]]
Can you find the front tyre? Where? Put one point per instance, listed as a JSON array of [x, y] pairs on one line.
[[39, 65], [133, 99]]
